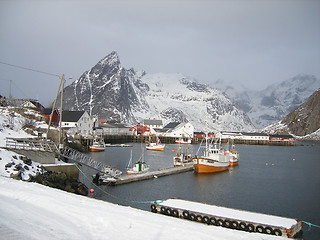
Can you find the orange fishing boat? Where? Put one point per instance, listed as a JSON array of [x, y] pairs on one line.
[[214, 159]]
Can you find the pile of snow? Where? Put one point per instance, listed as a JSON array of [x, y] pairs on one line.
[[33, 211]]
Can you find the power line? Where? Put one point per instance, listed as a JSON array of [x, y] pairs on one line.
[[29, 69]]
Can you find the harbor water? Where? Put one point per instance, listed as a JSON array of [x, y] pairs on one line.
[[276, 180]]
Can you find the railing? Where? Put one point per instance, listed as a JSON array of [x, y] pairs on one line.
[[68, 153], [84, 159], [34, 145]]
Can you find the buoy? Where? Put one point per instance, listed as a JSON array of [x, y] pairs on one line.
[[173, 150], [91, 192], [272, 164]]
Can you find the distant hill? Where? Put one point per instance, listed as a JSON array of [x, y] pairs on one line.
[[303, 122], [274, 102]]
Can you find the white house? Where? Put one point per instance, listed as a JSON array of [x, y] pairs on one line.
[[153, 123], [178, 130], [78, 122]]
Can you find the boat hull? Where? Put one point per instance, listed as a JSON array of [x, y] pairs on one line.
[[94, 149], [203, 165], [155, 148], [232, 164]]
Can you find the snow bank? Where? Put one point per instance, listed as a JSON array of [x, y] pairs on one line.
[[33, 211]]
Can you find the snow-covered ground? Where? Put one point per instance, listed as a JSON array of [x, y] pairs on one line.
[[33, 211]]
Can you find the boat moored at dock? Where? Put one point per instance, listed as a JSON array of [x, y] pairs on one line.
[[214, 159], [98, 145]]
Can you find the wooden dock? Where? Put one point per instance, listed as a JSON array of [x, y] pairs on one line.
[[150, 175], [229, 218]]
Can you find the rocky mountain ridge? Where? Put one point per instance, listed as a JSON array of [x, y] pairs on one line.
[[113, 92], [272, 103], [303, 122]]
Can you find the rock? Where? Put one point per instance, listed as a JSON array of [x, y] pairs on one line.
[[61, 181], [16, 176]]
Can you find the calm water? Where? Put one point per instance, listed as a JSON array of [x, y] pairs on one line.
[[277, 180]]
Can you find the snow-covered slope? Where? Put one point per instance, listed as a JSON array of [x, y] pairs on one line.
[[303, 122], [33, 211], [110, 91], [273, 103]]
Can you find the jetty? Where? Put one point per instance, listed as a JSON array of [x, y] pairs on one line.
[[123, 179], [229, 218]]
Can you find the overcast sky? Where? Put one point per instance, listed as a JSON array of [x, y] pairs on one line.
[[252, 42]]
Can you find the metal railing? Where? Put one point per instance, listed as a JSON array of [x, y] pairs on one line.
[[66, 152]]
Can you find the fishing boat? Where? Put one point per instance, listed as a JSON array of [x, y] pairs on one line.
[[214, 158], [98, 145], [182, 141], [234, 155], [155, 146], [182, 159], [138, 167]]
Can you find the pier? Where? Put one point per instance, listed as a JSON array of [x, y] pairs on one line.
[[229, 218], [148, 175]]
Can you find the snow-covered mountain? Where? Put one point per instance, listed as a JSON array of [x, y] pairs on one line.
[[111, 91], [273, 103], [303, 122]]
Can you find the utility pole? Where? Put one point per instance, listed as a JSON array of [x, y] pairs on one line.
[[54, 106], [61, 100]]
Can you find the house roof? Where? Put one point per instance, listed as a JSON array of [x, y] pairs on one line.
[[254, 134], [48, 111], [171, 125], [281, 136], [152, 122], [72, 116]]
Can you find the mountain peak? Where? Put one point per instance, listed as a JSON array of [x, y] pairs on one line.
[[111, 59]]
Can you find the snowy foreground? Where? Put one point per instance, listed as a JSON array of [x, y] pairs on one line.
[[33, 211]]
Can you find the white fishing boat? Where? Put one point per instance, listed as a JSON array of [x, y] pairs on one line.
[[182, 141], [139, 166], [155, 146], [214, 158], [98, 145], [182, 159]]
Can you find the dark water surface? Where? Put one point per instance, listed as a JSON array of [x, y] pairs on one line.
[[276, 180]]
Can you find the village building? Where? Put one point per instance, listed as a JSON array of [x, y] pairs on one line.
[[112, 129], [177, 130], [34, 105], [281, 138], [153, 123], [55, 116], [77, 122]]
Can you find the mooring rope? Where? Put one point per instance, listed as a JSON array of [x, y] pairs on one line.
[[111, 195], [310, 224]]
